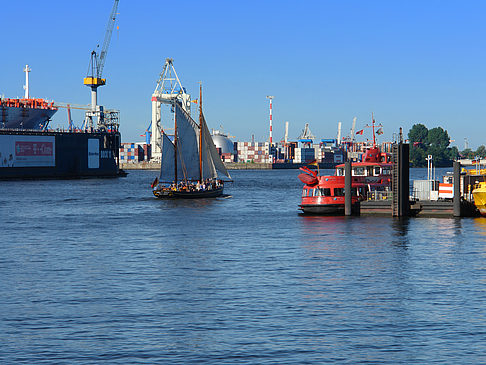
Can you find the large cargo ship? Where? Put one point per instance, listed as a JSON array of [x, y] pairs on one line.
[[30, 150], [25, 113]]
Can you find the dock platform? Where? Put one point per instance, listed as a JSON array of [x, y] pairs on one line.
[[422, 208]]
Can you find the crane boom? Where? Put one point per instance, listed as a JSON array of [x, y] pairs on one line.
[[97, 61], [106, 41]]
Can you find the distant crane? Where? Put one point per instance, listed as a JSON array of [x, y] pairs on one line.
[[285, 140], [306, 137], [339, 134], [70, 120], [353, 129], [167, 91], [147, 134], [286, 136], [95, 71]]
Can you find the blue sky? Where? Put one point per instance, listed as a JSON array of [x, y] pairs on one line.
[[324, 61]]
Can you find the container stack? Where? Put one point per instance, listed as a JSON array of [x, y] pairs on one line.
[[318, 152], [304, 155], [135, 152], [227, 157], [258, 152]]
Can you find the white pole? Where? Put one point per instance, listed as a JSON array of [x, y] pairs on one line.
[[26, 87]]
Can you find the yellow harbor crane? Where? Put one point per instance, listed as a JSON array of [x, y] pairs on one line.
[[95, 71]]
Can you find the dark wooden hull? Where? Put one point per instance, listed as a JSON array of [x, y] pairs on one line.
[[205, 194]]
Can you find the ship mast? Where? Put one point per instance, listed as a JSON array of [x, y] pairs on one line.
[[26, 87], [175, 142], [373, 124], [200, 132]]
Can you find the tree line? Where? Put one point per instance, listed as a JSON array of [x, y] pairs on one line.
[[435, 142]]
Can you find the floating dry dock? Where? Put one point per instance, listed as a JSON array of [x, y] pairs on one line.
[[31, 154]]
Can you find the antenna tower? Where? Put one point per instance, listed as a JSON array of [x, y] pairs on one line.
[[270, 97]]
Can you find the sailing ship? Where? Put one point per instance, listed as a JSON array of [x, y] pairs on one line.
[[190, 167]]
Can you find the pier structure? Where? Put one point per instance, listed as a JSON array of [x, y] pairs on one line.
[[402, 204]]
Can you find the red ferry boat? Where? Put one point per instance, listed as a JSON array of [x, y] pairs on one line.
[[325, 194]]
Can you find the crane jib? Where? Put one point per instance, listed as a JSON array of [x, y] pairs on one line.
[[97, 61]]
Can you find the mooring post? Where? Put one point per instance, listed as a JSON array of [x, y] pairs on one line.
[[457, 189], [404, 179], [348, 199]]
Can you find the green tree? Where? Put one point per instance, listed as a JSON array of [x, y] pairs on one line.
[[438, 137], [418, 135], [435, 142], [453, 153], [417, 156], [467, 153], [481, 151]]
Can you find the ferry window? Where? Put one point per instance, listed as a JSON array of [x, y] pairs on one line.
[[338, 191], [340, 172], [317, 192], [377, 170], [304, 192], [325, 192], [359, 171]]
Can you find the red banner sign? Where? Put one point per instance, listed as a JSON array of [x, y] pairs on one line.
[[24, 148]]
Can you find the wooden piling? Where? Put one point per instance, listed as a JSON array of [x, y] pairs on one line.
[[457, 188], [400, 180], [347, 189], [404, 178]]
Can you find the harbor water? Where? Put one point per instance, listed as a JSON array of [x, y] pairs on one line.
[[99, 271]]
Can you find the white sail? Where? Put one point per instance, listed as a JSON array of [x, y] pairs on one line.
[[187, 146], [188, 166], [208, 169], [167, 169], [211, 152]]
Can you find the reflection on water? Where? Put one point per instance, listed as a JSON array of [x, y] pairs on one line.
[[315, 225], [480, 225], [400, 231]]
